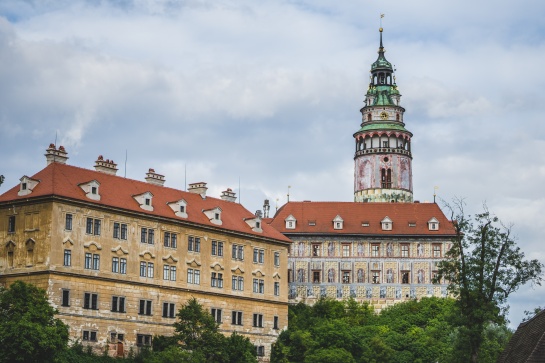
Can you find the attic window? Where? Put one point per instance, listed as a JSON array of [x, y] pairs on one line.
[[412, 224], [311, 223], [27, 185], [217, 216], [338, 222], [182, 209], [365, 224], [23, 186], [291, 222], [386, 224], [148, 201], [93, 190], [214, 215], [145, 200], [257, 224], [433, 224]]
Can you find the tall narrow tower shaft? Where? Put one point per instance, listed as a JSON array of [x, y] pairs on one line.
[[383, 160]]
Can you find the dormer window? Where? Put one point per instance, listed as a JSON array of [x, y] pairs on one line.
[[290, 222], [27, 185], [433, 224], [91, 189], [254, 223], [257, 224], [386, 224], [338, 222], [214, 215], [145, 200], [179, 208]]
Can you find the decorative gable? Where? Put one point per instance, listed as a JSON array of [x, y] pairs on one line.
[[290, 222], [254, 223], [144, 200], [27, 185], [338, 222], [214, 215], [433, 224], [91, 189], [179, 208], [386, 224]]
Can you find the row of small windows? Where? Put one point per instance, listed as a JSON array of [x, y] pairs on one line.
[[145, 307], [348, 250], [375, 276], [386, 223], [119, 265]]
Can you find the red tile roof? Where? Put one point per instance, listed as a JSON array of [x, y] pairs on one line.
[[354, 214], [115, 191], [527, 345]]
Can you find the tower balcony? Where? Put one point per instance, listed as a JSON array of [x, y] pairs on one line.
[[383, 150]]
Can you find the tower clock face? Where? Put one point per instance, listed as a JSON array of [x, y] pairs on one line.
[[384, 115]]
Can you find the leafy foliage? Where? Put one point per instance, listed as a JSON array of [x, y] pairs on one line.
[[29, 332], [483, 267], [422, 331]]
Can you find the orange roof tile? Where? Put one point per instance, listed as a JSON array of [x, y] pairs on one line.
[[354, 214], [63, 180]]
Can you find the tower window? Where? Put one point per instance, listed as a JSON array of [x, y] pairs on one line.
[[386, 178]]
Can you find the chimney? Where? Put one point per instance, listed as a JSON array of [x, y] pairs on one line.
[[54, 155], [266, 208], [258, 214], [153, 178], [229, 195], [198, 188], [105, 166]]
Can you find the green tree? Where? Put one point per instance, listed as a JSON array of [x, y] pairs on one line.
[[483, 267], [29, 331], [1, 180]]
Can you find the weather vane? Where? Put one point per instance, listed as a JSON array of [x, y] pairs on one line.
[[381, 16]]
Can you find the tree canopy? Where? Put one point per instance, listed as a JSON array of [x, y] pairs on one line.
[[483, 267], [29, 331]]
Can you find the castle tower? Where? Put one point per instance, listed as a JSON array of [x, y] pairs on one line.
[[382, 162]]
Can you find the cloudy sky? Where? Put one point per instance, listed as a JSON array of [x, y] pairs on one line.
[[267, 94]]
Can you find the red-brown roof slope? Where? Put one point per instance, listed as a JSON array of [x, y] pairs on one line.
[[527, 345], [115, 191], [317, 218]]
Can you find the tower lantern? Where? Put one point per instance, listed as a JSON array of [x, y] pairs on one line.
[[383, 160]]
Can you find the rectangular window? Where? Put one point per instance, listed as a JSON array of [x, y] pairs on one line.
[[147, 235], [169, 272], [346, 277], [122, 265], [316, 277], [404, 250], [151, 235], [260, 350], [275, 322], [193, 276], [166, 239], [193, 244], [277, 288], [89, 335], [375, 277], [375, 250], [216, 313], [68, 222], [144, 307], [96, 262], [169, 310], [259, 286], [123, 231], [117, 228], [236, 318], [404, 277], [115, 264], [346, 250], [238, 283], [258, 320], [259, 255], [65, 297], [88, 259], [277, 259], [217, 248], [90, 301], [238, 252], [216, 280], [93, 226], [67, 258], [143, 340], [150, 269], [436, 250], [142, 269], [118, 304]]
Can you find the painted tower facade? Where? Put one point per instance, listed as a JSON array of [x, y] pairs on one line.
[[383, 160]]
